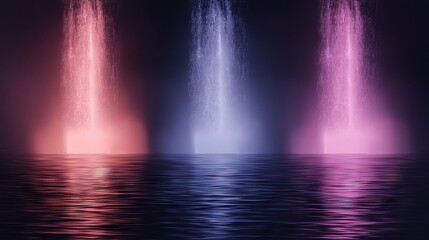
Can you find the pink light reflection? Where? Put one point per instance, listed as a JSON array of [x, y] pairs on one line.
[[80, 201]]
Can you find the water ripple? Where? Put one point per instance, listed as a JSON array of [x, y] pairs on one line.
[[213, 197]]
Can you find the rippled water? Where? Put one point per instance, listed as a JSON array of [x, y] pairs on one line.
[[214, 197]]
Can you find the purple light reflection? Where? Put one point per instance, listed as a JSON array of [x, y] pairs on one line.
[[352, 192]]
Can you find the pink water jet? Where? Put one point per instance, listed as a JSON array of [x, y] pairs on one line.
[[95, 120], [84, 73], [90, 127]]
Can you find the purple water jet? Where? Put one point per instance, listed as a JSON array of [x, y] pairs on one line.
[[350, 122], [341, 77], [352, 119]]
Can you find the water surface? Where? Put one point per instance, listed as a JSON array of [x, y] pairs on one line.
[[213, 197]]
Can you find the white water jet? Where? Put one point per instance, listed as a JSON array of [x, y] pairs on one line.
[[214, 78]]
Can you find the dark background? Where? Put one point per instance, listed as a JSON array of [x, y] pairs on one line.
[[282, 44]]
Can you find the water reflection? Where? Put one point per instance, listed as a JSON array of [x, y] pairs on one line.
[[353, 191], [210, 197], [80, 198], [203, 187]]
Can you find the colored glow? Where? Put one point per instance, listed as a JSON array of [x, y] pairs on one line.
[[351, 116], [214, 79], [342, 75], [95, 121], [350, 123], [84, 73], [90, 126]]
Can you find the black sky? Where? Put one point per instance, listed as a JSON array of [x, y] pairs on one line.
[[282, 44]]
